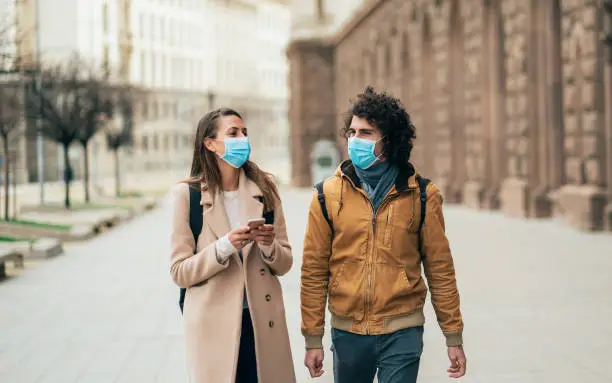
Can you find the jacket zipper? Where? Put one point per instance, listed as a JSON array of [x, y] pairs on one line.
[[373, 248], [369, 259]]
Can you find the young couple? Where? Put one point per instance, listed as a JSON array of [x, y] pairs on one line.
[[370, 228]]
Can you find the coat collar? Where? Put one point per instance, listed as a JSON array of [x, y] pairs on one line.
[[215, 215]]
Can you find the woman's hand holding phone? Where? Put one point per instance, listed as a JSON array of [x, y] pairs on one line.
[[240, 237], [264, 235]]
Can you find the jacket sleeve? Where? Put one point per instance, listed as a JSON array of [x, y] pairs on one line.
[[315, 275], [187, 268], [281, 257], [440, 270]]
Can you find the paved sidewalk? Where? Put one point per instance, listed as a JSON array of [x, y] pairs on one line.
[[537, 301]]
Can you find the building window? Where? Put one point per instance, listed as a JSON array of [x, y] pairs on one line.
[[162, 30], [155, 111], [145, 109], [145, 143], [142, 67], [155, 142]]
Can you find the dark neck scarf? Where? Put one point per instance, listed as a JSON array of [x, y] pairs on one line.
[[377, 181]]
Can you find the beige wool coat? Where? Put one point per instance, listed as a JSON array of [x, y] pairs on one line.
[[213, 303]]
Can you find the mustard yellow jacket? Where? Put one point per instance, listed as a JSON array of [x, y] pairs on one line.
[[368, 264]]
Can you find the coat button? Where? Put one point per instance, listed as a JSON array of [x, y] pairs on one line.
[[271, 324], [262, 272], [268, 297]]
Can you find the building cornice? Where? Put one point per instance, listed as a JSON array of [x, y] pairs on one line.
[[362, 13]]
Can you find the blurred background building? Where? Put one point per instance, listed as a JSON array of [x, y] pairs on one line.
[[185, 56], [507, 96]]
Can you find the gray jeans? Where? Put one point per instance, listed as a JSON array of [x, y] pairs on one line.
[[396, 356]]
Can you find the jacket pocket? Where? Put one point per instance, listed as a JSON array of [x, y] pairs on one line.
[[346, 292], [406, 274], [389, 227], [394, 294]]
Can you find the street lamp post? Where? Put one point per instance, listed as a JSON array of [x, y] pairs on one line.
[[40, 148], [211, 99]]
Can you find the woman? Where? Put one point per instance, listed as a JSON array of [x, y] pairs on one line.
[[234, 315]]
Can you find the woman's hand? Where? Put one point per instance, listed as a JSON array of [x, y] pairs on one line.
[[240, 237], [263, 235]]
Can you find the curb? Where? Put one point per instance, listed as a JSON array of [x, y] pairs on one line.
[[45, 248], [10, 254]]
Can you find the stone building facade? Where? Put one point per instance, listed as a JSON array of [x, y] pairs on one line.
[[511, 99]]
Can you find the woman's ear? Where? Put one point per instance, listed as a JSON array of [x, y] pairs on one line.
[[209, 144]]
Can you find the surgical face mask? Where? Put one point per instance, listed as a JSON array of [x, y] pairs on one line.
[[237, 151], [361, 152]]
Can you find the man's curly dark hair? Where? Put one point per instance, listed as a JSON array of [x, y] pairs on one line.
[[385, 112]]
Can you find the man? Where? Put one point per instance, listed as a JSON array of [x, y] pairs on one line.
[[367, 257]]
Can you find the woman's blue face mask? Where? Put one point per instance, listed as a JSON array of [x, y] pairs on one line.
[[361, 152], [237, 151]]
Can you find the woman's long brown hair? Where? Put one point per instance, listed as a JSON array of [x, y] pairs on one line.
[[204, 167]]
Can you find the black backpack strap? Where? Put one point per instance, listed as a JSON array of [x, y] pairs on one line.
[[195, 223], [321, 197], [423, 182]]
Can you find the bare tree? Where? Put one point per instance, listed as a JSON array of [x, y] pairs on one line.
[[11, 113], [120, 132], [64, 101], [11, 101]]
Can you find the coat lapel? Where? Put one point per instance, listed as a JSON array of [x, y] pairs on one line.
[[214, 214], [250, 207]]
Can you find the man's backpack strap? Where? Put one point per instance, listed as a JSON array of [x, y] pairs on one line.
[[321, 197], [423, 182], [195, 223]]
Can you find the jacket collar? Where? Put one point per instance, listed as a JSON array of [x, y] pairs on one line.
[[405, 180]]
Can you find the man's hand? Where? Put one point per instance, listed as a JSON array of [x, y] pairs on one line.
[[458, 362], [314, 362]]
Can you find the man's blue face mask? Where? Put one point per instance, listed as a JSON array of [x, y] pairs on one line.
[[361, 152], [237, 151]]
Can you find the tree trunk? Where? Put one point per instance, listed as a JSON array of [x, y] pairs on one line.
[[117, 174], [86, 171], [6, 178], [67, 175]]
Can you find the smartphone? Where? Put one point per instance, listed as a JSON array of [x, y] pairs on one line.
[[254, 223]]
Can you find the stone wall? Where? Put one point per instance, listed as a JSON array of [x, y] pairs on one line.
[[510, 99], [312, 110]]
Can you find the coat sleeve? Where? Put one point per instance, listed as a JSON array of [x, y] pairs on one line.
[[281, 257], [440, 270], [315, 275], [186, 268]]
